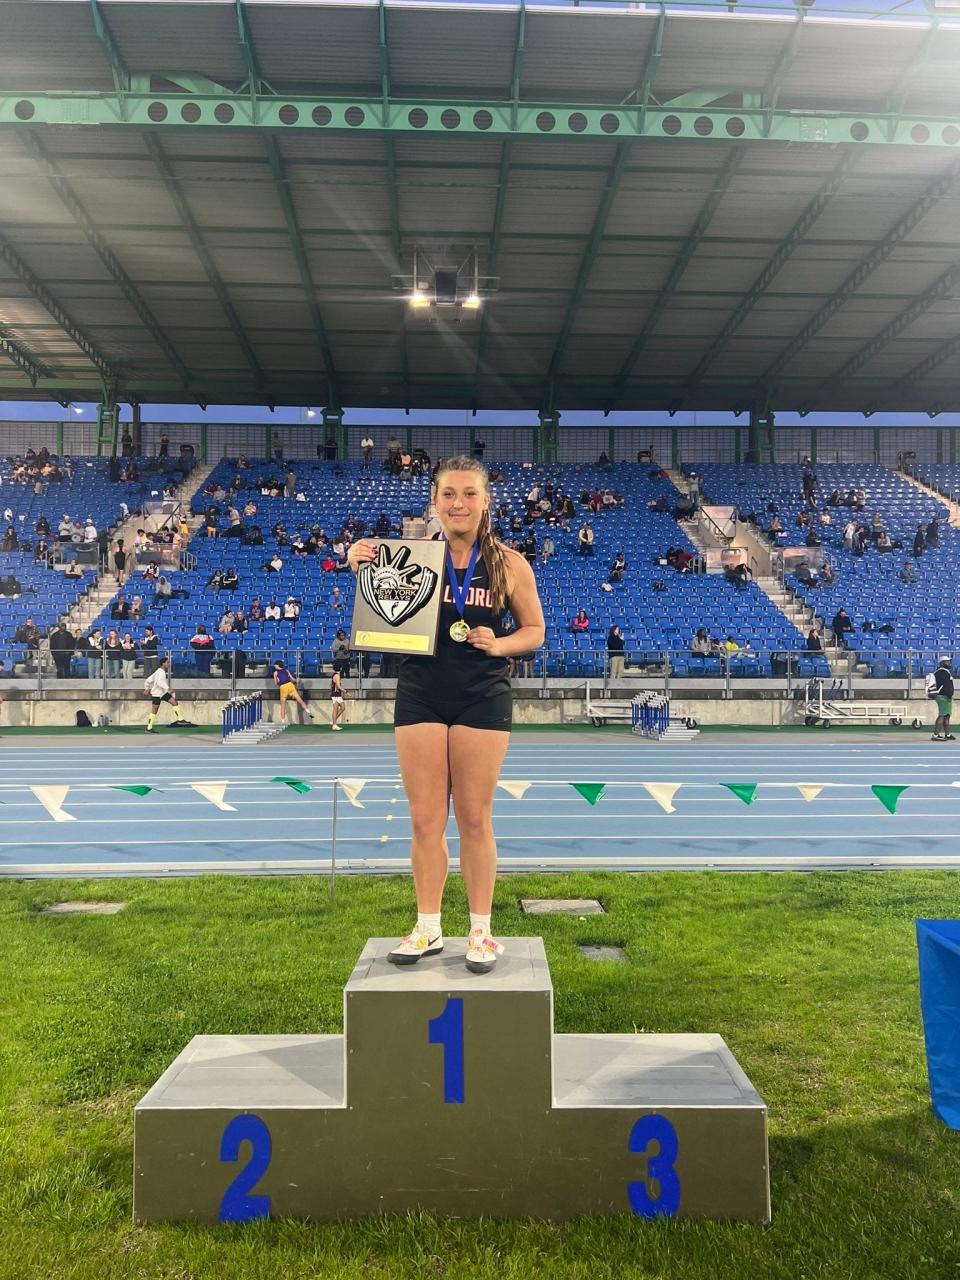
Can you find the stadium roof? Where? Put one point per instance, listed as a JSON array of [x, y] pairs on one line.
[[220, 201]]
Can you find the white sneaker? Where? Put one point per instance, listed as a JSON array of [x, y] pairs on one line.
[[415, 945], [335, 728], [482, 952]]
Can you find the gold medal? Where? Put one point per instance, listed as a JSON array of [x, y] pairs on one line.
[[459, 631]]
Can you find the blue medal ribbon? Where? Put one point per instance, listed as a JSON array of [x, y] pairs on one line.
[[458, 592]]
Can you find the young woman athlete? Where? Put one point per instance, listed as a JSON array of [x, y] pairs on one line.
[[454, 711]]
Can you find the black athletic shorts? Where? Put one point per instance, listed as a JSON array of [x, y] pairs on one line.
[[164, 697], [490, 712]]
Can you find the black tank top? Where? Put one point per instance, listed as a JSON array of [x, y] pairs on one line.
[[458, 670]]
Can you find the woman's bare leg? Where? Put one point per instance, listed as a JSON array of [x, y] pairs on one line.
[[476, 756], [422, 752]]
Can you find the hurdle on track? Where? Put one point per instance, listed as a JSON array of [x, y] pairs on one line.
[[650, 718], [243, 722]]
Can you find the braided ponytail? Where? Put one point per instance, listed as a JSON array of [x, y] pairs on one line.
[[491, 551]]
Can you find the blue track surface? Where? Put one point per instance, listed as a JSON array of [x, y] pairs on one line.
[[275, 830]]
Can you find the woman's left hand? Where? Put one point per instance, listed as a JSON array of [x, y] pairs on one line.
[[483, 638]]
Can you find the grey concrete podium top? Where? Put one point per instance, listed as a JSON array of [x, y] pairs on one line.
[[648, 1070], [238, 1072], [522, 968]]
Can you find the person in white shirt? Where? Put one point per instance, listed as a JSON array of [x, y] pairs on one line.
[[272, 612], [291, 610], [157, 687], [366, 450], [89, 531]]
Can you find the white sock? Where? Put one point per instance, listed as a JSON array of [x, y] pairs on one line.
[[480, 922], [430, 924]]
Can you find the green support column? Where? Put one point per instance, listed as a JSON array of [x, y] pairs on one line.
[[611, 444], [108, 427], [813, 444], [268, 442], [548, 436], [736, 445], [760, 447], [953, 444], [60, 438], [333, 421], [876, 444], [473, 439], [674, 448], [136, 428], [939, 444], [203, 442]]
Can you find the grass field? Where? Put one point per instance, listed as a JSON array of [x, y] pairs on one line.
[[812, 981]]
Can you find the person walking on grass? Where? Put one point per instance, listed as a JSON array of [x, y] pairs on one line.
[[157, 687], [287, 686], [453, 711], [943, 692], [337, 696]]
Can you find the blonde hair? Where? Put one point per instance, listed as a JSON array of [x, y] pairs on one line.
[[491, 551]]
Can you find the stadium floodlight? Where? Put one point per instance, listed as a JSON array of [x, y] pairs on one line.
[[311, 413], [77, 408], [472, 301], [446, 281], [419, 299]]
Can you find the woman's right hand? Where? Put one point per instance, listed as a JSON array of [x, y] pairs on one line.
[[361, 552]]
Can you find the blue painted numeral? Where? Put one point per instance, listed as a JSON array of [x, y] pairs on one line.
[[447, 1029], [660, 1170], [237, 1205]]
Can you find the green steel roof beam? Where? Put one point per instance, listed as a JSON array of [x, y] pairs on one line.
[[64, 190], [941, 288], [256, 85], [38, 290], [172, 187], [503, 181], [681, 262], [282, 187], [900, 91], [932, 195], [600, 219], [396, 237], [13, 351], [794, 237], [468, 118], [946, 351], [118, 68], [518, 44], [650, 66], [770, 94]]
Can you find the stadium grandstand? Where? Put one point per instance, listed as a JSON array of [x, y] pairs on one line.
[[572, 214]]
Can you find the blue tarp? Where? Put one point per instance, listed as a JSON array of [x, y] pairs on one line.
[[938, 944]]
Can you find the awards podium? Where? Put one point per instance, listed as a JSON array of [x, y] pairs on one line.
[[449, 1092]]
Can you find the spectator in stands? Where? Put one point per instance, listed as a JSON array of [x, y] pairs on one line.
[[730, 646], [740, 575], [813, 538], [528, 548], [825, 517], [112, 650], [9, 542], [616, 644], [585, 540], [834, 500], [62, 645], [215, 581], [330, 447], [393, 454], [827, 575], [803, 520], [240, 624], [478, 448], [120, 609], [814, 644], [203, 646], [252, 537], [42, 527], [932, 536], [596, 502], [618, 568], [366, 450], [859, 540], [119, 561], [250, 509], [94, 652], [548, 549], [225, 625], [230, 580], [129, 655], [89, 531], [908, 573], [680, 559], [775, 526], [340, 652], [10, 587], [919, 542], [883, 542], [701, 643], [274, 564], [336, 599], [841, 627], [806, 574], [809, 486], [580, 623], [272, 612], [291, 609], [256, 610], [73, 570], [163, 592], [28, 633], [136, 608]]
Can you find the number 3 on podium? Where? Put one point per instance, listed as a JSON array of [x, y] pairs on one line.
[[660, 1168]]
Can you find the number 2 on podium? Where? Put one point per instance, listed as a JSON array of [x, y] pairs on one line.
[[447, 1029]]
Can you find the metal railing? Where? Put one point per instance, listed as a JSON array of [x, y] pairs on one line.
[[229, 669]]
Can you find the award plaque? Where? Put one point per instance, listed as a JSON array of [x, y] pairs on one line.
[[397, 606]]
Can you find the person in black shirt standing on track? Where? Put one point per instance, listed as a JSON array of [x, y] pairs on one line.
[[943, 683], [454, 711]]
